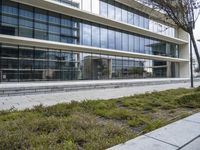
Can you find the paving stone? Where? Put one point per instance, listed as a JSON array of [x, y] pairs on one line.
[[91, 94], [195, 145], [143, 143], [178, 133], [194, 118], [10, 89]]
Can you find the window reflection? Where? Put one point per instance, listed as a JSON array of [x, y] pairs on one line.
[[120, 12], [125, 42], [47, 25], [49, 64], [111, 10], [103, 8], [86, 34], [95, 36], [104, 37], [111, 39]]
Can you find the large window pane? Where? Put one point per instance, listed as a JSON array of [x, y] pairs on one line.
[[54, 55], [136, 20], [54, 18], [124, 15], [130, 17], [118, 13], [40, 64], [86, 66], [111, 39], [9, 63], [9, 51], [142, 45], [146, 23], [87, 34], [111, 10], [131, 43], [66, 21], [66, 31], [141, 21], [25, 64], [40, 53], [9, 7], [40, 34], [95, 36], [147, 46], [54, 29], [118, 40], [125, 42], [9, 18], [26, 11], [41, 15], [40, 24], [137, 44], [25, 32], [104, 38], [103, 8], [26, 52]]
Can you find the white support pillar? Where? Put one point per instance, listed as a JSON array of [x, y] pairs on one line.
[[184, 53]]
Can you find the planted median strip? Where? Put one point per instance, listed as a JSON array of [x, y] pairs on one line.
[[96, 124]]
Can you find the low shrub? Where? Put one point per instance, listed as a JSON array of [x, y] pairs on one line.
[[191, 100]]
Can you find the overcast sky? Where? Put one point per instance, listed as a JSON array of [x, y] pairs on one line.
[[197, 29], [197, 34]]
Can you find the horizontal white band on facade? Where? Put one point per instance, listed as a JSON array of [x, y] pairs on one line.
[[8, 39], [78, 13]]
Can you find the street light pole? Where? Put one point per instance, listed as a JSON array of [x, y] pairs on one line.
[[191, 65], [192, 26]]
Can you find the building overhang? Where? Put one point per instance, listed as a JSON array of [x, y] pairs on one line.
[[77, 13], [8, 39]]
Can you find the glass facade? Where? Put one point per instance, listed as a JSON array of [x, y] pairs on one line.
[[119, 12], [21, 63], [26, 21]]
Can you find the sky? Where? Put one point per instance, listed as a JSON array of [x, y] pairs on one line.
[[197, 34], [197, 29]]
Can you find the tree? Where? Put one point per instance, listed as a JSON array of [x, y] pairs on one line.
[[183, 13]]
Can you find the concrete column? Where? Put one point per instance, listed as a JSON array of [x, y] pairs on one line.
[[169, 70], [184, 53]]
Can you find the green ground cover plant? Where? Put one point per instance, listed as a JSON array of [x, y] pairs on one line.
[[94, 124]]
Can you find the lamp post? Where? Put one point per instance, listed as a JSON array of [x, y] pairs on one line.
[[191, 65], [192, 26]]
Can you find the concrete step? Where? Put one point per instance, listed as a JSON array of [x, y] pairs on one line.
[[49, 88]]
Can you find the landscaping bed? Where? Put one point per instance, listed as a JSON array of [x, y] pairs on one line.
[[95, 124]]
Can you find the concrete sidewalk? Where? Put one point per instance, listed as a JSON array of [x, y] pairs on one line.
[[33, 88], [28, 101], [181, 135], [90, 82]]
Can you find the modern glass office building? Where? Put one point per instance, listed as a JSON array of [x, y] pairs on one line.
[[44, 40]]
